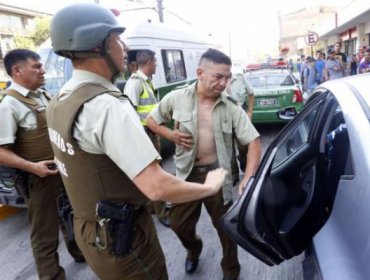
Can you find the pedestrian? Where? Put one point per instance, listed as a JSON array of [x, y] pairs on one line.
[[243, 93], [25, 145], [353, 65], [139, 88], [334, 69], [319, 67], [309, 74], [340, 56], [364, 66], [108, 164], [205, 123]]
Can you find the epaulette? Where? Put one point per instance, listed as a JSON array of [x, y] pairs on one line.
[[134, 76], [232, 99]]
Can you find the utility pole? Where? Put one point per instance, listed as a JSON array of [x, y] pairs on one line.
[[160, 10]]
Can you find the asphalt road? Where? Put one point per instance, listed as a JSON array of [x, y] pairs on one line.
[[16, 260]]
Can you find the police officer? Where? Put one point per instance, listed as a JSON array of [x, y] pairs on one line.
[[25, 145], [139, 88], [103, 152], [239, 88], [205, 120]]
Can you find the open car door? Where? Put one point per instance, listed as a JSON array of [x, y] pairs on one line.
[[286, 203]]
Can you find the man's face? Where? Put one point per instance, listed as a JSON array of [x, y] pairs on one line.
[[118, 51], [213, 77], [337, 48], [152, 65], [29, 74], [367, 56], [318, 55]]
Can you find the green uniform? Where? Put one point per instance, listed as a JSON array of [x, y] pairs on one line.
[[182, 106], [238, 90], [24, 127], [94, 135], [141, 92]]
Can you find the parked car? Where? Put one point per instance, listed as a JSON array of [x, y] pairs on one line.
[[274, 89], [311, 189]]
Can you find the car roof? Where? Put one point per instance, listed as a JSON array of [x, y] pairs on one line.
[[358, 85], [267, 71]]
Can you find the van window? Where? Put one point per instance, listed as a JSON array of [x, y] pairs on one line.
[[174, 66], [58, 70]]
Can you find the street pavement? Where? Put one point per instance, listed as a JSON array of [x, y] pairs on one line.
[[17, 261]]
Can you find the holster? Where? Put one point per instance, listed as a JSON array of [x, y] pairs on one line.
[[121, 219]]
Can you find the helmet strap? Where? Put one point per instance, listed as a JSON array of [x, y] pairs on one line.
[[108, 58]]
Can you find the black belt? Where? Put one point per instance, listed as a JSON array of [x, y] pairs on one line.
[[200, 169]]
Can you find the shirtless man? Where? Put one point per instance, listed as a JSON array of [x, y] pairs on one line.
[[205, 121]]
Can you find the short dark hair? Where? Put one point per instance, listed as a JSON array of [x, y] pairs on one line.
[[367, 49], [18, 55], [215, 56], [143, 56]]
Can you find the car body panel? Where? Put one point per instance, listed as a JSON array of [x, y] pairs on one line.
[[336, 215], [274, 89], [342, 245]]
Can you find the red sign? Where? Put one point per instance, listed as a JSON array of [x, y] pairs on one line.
[[311, 38]]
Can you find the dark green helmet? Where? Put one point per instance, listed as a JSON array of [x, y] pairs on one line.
[[81, 28]]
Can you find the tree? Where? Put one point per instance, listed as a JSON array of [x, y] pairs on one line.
[[36, 37]]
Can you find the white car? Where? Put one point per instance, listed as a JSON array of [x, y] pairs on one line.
[[311, 189]]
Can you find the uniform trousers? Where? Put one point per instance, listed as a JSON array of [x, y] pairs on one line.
[[43, 217], [145, 262], [185, 216]]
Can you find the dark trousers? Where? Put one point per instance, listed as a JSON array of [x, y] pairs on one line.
[[43, 216], [185, 216], [145, 262]]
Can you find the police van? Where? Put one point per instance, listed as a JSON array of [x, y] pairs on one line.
[[178, 51]]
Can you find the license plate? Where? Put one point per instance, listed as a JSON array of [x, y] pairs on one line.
[[267, 102]]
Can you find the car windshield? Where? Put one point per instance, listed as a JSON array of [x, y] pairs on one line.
[[268, 79]]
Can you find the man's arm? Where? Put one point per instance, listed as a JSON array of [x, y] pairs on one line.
[[133, 90], [10, 159], [179, 138], [250, 105], [253, 161], [158, 185]]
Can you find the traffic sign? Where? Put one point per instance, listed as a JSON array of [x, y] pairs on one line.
[[311, 38]]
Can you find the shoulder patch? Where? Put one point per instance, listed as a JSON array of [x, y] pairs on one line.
[[232, 99]]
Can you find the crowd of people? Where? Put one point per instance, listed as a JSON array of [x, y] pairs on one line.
[[102, 147], [335, 64]]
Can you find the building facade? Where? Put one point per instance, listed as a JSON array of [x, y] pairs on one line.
[[14, 21], [349, 24]]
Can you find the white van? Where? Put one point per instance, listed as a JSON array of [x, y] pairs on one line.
[[177, 52]]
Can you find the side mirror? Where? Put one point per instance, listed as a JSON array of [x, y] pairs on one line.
[[287, 113]]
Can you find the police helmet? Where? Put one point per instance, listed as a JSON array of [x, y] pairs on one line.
[[81, 28]]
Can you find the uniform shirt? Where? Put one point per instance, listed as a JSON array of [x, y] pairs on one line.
[[14, 113], [111, 126], [239, 87], [182, 106], [134, 88]]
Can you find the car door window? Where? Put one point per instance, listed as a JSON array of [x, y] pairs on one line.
[[295, 140]]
